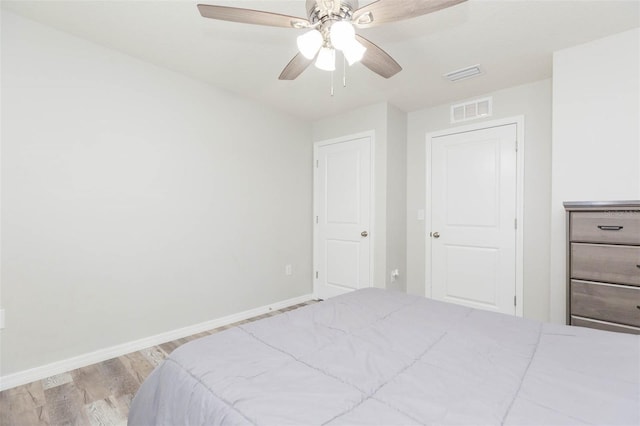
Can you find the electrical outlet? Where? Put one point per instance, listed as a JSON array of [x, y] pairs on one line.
[[288, 270]]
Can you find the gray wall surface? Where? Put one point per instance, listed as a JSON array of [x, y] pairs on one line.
[[136, 201]]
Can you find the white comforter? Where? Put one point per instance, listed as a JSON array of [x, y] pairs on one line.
[[385, 358]]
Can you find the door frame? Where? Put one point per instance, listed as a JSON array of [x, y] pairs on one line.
[[519, 122], [316, 146]]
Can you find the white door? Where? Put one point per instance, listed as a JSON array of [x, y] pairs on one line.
[[342, 195], [473, 218]]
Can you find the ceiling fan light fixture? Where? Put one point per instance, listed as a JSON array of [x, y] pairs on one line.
[[309, 43], [331, 25], [326, 59], [354, 52], [342, 34]]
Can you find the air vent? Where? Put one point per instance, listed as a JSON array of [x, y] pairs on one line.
[[471, 110], [464, 73]]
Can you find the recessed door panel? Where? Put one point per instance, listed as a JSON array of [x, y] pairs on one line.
[[472, 180], [343, 187], [476, 282], [343, 260]]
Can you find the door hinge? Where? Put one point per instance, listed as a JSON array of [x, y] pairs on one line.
[[317, 163], [514, 301], [516, 145], [515, 223], [316, 275], [316, 219]]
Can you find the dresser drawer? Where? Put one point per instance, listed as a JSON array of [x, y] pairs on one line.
[[606, 263], [603, 325], [612, 227], [617, 303]]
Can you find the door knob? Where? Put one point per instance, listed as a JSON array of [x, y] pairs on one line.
[[364, 233], [436, 235]]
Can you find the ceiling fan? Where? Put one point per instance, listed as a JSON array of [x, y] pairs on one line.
[[331, 25]]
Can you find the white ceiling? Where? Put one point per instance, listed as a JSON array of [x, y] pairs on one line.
[[513, 40]]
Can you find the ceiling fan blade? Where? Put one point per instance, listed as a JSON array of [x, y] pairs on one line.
[[382, 11], [250, 16], [295, 67], [377, 60]]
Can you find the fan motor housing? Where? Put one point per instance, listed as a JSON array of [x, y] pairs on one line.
[[323, 10]]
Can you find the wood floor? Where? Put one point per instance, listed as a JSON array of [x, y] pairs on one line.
[[99, 394]]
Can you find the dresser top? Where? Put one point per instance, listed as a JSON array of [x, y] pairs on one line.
[[601, 205]]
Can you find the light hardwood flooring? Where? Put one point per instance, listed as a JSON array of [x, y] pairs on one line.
[[99, 394]]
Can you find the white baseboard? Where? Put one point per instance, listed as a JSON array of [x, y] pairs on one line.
[[38, 373]]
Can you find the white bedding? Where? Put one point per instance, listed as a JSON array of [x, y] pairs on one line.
[[387, 358]]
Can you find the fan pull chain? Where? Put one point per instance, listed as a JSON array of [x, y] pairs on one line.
[[344, 71], [331, 83]]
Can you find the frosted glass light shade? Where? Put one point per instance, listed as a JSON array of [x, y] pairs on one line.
[[353, 52], [309, 43], [342, 34], [326, 59]]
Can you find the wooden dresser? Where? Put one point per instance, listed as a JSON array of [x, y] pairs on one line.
[[603, 265]]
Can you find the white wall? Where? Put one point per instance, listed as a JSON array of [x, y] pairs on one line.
[[137, 201], [396, 197], [389, 126], [596, 136], [534, 102]]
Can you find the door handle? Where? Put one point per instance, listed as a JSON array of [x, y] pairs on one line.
[[364, 234], [436, 235], [610, 227]]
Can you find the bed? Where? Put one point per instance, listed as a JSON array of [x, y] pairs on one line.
[[387, 358]]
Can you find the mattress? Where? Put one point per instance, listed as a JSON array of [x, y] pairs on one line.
[[378, 357]]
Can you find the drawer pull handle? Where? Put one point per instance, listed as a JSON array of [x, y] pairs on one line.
[[638, 306], [610, 227]]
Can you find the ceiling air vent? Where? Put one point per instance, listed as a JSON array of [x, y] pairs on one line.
[[463, 73], [471, 110]]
